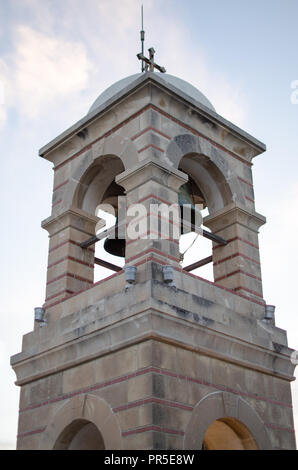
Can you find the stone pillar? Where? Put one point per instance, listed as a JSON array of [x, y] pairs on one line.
[[70, 268], [152, 183], [237, 264]]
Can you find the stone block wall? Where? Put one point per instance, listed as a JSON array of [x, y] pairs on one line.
[[152, 388]]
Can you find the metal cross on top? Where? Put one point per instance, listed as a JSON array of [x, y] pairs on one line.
[[149, 63]]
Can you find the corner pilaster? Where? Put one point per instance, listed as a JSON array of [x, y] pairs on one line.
[[237, 264], [70, 268], [154, 186]]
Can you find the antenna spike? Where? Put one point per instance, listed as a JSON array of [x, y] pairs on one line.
[[148, 65], [142, 38]]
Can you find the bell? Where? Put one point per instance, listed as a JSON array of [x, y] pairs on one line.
[[189, 194], [115, 246]]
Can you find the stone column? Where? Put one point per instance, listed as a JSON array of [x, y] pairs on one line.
[[237, 264], [152, 183], [70, 268]]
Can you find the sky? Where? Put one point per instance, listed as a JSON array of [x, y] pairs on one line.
[[57, 56]]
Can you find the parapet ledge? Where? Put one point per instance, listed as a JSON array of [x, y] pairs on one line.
[[146, 312]]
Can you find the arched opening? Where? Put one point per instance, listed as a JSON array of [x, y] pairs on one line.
[[95, 182], [222, 414], [83, 422], [228, 434], [80, 435], [211, 181], [98, 187], [210, 189]]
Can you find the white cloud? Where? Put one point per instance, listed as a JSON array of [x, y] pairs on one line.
[[49, 66], [46, 68], [181, 58], [229, 101], [190, 62], [3, 92]]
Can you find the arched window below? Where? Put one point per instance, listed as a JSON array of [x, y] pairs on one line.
[[228, 434], [80, 435]]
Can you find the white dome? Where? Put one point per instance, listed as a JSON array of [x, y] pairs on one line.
[[182, 85]]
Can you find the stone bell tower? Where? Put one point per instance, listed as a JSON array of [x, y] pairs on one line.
[[187, 364]]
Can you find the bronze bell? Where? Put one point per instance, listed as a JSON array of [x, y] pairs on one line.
[[115, 246], [190, 194]]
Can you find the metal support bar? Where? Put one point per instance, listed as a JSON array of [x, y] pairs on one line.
[[106, 233], [214, 238], [198, 264], [205, 233], [89, 242], [100, 236], [107, 265]]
